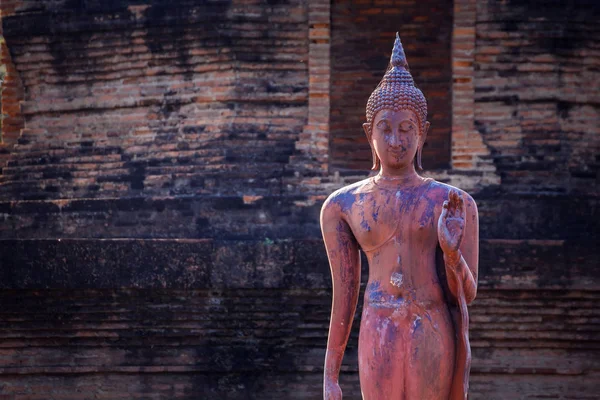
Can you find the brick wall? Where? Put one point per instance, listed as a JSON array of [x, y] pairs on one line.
[[124, 99], [537, 93], [11, 94], [248, 320]]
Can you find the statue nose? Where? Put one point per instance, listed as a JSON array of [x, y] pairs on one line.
[[394, 141]]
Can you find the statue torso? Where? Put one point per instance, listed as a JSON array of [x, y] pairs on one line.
[[396, 227], [406, 342]]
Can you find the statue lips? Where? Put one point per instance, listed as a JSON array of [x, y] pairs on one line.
[[397, 153]]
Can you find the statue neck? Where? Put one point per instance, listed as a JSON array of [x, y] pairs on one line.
[[406, 176]]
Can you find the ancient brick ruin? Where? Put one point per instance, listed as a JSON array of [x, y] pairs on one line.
[[163, 168]]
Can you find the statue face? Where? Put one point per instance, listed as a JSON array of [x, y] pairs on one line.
[[395, 137]]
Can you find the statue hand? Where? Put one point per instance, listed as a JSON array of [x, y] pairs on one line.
[[332, 390], [451, 226]]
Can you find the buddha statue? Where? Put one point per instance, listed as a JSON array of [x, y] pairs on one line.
[[420, 238]]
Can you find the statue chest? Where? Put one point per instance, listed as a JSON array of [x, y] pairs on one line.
[[393, 217]]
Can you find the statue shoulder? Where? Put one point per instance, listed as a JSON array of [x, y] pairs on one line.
[[439, 192], [342, 200]]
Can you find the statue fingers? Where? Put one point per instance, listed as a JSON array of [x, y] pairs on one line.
[[442, 228], [462, 208], [452, 197], [444, 213]]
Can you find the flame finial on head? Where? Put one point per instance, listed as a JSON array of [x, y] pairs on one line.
[[398, 58]]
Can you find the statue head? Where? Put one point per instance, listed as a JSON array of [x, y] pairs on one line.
[[396, 124]]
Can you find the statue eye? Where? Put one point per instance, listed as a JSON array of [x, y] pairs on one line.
[[384, 126], [406, 127]]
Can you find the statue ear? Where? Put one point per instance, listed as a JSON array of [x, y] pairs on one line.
[[422, 139], [369, 133], [367, 129], [424, 133]]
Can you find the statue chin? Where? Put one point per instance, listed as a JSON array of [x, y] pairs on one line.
[[392, 163]]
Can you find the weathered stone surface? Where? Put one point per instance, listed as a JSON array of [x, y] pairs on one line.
[[226, 217], [524, 216], [279, 264]]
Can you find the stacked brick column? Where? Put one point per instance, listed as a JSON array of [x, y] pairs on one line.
[[469, 152], [313, 142], [12, 94]]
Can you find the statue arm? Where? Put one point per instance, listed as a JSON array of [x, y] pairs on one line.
[[344, 261], [464, 264]]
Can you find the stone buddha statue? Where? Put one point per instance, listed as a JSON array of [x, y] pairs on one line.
[[420, 238]]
